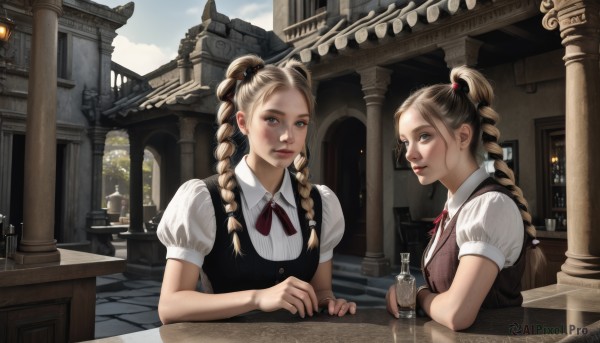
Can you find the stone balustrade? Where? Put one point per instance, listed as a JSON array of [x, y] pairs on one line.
[[305, 27]]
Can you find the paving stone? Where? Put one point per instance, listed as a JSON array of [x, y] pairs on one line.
[[117, 308], [115, 327], [102, 318], [137, 284], [149, 317], [145, 301], [151, 290], [124, 293]]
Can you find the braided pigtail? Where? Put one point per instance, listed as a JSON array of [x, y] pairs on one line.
[[301, 163], [226, 148], [481, 94], [304, 188]]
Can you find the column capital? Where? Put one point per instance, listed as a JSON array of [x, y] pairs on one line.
[[375, 81], [54, 5], [571, 15], [106, 40], [461, 51], [578, 22]]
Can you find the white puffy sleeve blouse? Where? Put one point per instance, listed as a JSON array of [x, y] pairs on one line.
[[188, 226]]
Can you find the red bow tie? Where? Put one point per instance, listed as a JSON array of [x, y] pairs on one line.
[[438, 222], [263, 222]]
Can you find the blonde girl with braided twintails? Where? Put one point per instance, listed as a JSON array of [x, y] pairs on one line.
[[477, 254], [257, 236]]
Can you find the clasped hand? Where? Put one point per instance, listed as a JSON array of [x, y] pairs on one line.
[[297, 296]]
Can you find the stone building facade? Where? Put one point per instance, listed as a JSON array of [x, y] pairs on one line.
[[84, 48]]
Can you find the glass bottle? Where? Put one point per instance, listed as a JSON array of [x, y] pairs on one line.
[[406, 290]]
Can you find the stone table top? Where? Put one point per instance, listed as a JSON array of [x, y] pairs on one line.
[[72, 265], [548, 314]]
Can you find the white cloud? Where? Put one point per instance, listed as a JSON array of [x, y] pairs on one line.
[[264, 20], [257, 14], [139, 57]]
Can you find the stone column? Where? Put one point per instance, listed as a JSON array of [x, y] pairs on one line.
[[105, 91], [136, 183], [187, 128], [461, 51], [97, 216], [579, 23], [38, 244], [375, 81]]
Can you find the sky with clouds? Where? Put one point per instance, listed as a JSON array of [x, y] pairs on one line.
[[151, 36]]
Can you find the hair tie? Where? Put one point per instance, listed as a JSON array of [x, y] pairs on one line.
[[312, 223], [250, 71], [481, 104], [230, 214], [534, 243], [460, 86]]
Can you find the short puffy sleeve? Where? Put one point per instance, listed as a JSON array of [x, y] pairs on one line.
[[188, 225], [490, 225], [332, 227]]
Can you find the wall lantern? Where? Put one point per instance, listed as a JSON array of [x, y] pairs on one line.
[[6, 27]]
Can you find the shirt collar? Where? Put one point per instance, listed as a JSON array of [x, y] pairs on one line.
[[253, 191], [465, 190]]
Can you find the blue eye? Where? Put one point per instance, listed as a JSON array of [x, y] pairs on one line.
[[404, 143], [301, 123], [271, 120], [424, 136]]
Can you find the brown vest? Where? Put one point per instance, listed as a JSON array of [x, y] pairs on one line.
[[441, 268]]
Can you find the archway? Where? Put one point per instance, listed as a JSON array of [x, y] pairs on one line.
[[344, 172]]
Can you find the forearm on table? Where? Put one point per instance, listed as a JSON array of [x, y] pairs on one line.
[[197, 306], [444, 309]]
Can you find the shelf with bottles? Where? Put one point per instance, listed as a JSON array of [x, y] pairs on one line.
[[552, 170], [558, 166], [561, 220]]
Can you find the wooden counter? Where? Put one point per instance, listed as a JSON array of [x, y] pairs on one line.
[[549, 314], [54, 302]]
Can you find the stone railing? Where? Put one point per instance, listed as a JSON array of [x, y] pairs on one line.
[[125, 82], [305, 27]]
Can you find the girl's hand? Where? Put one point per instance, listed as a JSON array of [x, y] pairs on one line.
[[293, 295], [338, 307], [392, 305]]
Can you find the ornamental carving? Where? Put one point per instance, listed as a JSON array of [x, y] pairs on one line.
[[568, 14], [550, 21]]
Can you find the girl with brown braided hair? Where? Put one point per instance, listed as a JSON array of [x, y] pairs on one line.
[[257, 236], [476, 256]]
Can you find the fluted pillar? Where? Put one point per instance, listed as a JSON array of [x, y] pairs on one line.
[[461, 51], [187, 128], [38, 244], [97, 216], [374, 81], [579, 24]]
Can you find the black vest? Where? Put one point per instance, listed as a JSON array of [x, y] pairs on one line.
[[229, 272], [439, 272]]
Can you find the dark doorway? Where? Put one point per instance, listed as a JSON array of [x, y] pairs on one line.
[[17, 180], [59, 228], [345, 173]]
